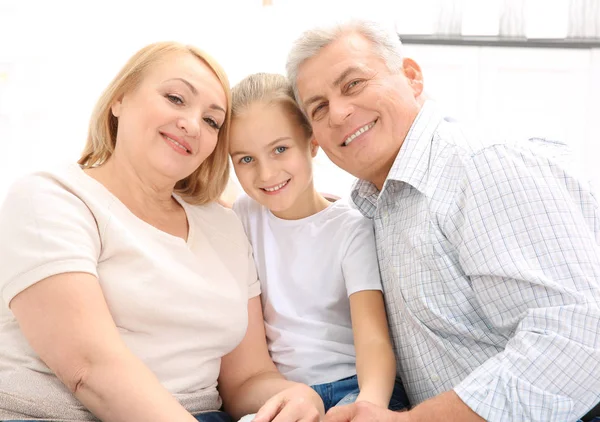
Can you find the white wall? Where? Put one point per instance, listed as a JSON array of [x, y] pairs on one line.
[[57, 56]]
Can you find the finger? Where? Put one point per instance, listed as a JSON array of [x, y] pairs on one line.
[[269, 410], [290, 413], [341, 413]]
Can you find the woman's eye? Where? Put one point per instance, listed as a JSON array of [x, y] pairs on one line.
[[246, 160], [175, 99], [212, 123], [279, 150]]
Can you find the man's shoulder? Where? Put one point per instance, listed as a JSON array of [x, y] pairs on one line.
[[480, 148]]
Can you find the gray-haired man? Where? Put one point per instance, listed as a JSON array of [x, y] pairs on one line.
[[489, 252]]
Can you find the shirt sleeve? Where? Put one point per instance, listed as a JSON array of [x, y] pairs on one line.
[[45, 230], [360, 267], [253, 282], [530, 236], [240, 207]]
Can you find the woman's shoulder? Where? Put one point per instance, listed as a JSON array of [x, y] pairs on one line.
[[51, 183], [220, 221]]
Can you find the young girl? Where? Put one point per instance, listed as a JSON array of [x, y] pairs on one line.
[[321, 291]]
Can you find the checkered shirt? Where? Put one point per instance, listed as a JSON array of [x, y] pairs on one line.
[[490, 260]]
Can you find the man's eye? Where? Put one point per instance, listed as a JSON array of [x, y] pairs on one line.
[[281, 149], [246, 160], [353, 84], [318, 109]]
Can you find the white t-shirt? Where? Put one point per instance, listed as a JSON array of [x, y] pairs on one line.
[[308, 268], [179, 306]]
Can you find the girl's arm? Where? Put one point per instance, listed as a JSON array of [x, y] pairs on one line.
[[375, 361], [249, 379], [66, 321]]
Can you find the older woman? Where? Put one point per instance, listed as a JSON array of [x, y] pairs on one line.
[[127, 292]]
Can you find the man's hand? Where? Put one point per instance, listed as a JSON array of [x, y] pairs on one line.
[[364, 411], [295, 404]]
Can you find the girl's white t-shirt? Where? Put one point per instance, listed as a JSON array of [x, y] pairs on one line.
[[179, 305], [308, 268]]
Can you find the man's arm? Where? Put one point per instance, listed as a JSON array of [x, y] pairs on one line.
[[528, 239], [447, 407]]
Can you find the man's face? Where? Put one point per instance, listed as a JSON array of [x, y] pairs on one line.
[[360, 110]]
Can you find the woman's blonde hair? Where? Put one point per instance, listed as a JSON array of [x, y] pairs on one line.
[[208, 181], [268, 88]]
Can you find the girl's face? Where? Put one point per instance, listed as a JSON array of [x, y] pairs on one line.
[[272, 157], [169, 124]]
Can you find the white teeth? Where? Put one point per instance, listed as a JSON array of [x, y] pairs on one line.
[[359, 132], [276, 188], [176, 143]]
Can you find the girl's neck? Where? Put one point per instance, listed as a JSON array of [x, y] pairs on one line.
[[310, 203]]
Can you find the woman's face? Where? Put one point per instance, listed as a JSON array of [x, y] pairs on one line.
[[169, 124]]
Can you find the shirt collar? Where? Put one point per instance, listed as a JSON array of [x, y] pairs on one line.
[[411, 164]]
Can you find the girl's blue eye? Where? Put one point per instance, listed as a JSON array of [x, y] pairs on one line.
[[279, 150], [246, 160]]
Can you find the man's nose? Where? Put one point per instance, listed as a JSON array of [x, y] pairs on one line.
[[339, 111]]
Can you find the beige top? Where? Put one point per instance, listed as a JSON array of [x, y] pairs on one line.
[[180, 306]]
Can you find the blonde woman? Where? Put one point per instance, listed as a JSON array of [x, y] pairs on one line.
[[127, 291]]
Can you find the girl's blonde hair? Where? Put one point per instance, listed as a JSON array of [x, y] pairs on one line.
[[208, 181], [269, 88]]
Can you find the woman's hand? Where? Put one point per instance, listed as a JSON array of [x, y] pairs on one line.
[[299, 403], [364, 412]]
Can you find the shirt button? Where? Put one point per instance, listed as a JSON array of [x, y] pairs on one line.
[[435, 378]]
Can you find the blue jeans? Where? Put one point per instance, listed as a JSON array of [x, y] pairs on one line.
[[345, 391], [201, 417], [213, 417]]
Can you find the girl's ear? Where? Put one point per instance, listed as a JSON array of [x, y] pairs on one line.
[[314, 147]]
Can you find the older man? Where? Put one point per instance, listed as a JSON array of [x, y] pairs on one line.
[[489, 252]]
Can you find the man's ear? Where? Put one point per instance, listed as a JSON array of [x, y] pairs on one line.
[[314, 147], [413, 73]]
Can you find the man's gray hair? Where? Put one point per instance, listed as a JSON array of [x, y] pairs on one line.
[[386, 44]]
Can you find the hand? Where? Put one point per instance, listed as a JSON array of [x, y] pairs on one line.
[[364, 411], [299, 403]]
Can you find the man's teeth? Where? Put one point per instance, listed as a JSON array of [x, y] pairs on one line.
[[177, 143], [358, 132], [276, 188]]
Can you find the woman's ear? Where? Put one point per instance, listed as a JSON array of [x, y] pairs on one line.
[[314, 147], [115, 108]]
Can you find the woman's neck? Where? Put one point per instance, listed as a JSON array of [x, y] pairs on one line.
[[137, 191]]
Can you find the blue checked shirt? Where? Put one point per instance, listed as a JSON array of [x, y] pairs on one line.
[[490, 261]]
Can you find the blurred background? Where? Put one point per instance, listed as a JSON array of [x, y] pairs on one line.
[[507, 68]]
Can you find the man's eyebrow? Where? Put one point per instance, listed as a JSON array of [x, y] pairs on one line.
[[336, 83], [345, 74]]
